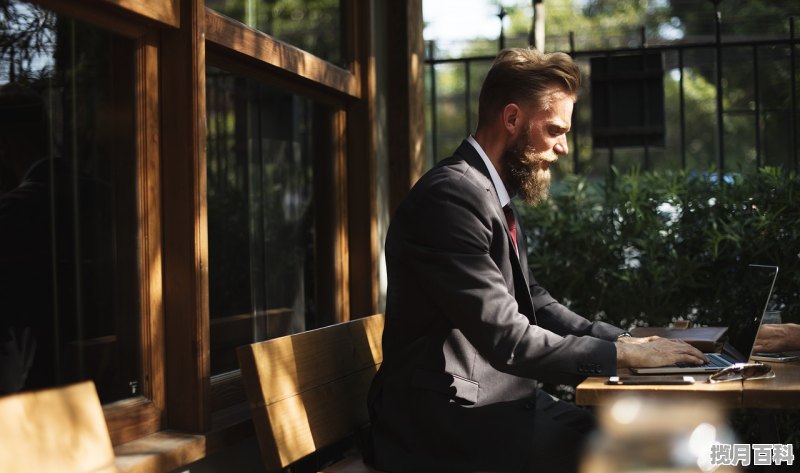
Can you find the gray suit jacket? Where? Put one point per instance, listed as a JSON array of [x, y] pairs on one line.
[[468, 332]]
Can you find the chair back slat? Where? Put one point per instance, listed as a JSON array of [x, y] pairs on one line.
[[59, 430], [309, 390]]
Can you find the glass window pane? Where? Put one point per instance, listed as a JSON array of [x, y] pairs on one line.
[[68, 214], [261, 148], [312, 25]]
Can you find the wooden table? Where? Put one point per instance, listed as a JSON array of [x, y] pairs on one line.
[[763, 397], [780, 392]]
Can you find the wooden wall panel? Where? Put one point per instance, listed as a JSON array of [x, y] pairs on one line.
[[149, 193], [361, 165], [405, 97], [185, 221], [132, 418]]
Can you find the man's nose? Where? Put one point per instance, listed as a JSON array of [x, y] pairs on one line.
[[561, 148]]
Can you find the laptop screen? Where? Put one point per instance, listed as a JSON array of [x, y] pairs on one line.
[[756, 286]]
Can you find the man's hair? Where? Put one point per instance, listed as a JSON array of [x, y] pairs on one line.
[[521, 75]]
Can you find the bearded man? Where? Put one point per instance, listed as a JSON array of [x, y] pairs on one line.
[[468, 330]]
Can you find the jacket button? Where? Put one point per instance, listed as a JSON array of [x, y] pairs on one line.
[[530, 404]]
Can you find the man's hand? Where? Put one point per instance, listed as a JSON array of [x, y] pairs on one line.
[[656, 351], [777, 337]]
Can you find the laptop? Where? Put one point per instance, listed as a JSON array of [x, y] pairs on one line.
[[757, 284]]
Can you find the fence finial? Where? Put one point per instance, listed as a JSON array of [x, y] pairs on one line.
[[502, 15]]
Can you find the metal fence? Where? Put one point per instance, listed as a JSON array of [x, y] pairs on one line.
[[750, 120]]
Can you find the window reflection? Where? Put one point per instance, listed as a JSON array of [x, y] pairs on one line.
[[311, 25], [69, 299], [261, 212]]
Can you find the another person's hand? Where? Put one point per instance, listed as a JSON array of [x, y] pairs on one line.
[[777, 338], [16, 358], [656, 351], [637, 340]]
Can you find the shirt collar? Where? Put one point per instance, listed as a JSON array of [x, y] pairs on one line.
[[502, 192]]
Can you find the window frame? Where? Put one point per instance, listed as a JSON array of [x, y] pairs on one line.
[[251, 44], [240, 49], [141, 415], [348, 281]]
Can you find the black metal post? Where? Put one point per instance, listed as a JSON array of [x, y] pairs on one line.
[[610, 113], [645, 102], [793, 75], [502, 15], [720, 120], [434, 131], [575, 147], [757, 95], [12, 69], [682, 110], [467, 101]]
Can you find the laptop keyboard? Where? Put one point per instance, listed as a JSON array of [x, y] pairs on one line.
[[714, 361]]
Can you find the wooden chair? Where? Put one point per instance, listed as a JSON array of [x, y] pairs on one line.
[[309, 390], [55, 430]]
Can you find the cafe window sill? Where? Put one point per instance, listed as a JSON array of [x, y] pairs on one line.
[[168, 450], [160, 452]]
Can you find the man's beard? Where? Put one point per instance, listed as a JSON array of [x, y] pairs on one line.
[[522, 167]]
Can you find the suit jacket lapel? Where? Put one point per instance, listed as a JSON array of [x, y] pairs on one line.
[[472, 157], [519, 263]]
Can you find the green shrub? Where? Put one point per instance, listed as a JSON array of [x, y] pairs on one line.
[[648, 248]]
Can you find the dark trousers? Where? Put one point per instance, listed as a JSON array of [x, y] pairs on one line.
[[560, 435]]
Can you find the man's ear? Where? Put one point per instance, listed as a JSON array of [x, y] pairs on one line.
[[511, 118]]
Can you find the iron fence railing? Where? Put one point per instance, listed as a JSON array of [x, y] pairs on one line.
[[773, 120]]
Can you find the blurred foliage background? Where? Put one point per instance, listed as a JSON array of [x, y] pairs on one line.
[[647, 248]]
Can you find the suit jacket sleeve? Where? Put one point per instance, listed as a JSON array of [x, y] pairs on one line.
[[555, 317], [448, 240]]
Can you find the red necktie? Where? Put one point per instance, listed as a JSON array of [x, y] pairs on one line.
[[512, 225]]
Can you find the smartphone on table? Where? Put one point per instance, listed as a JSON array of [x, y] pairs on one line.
[[668, 379], [777, 357]]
